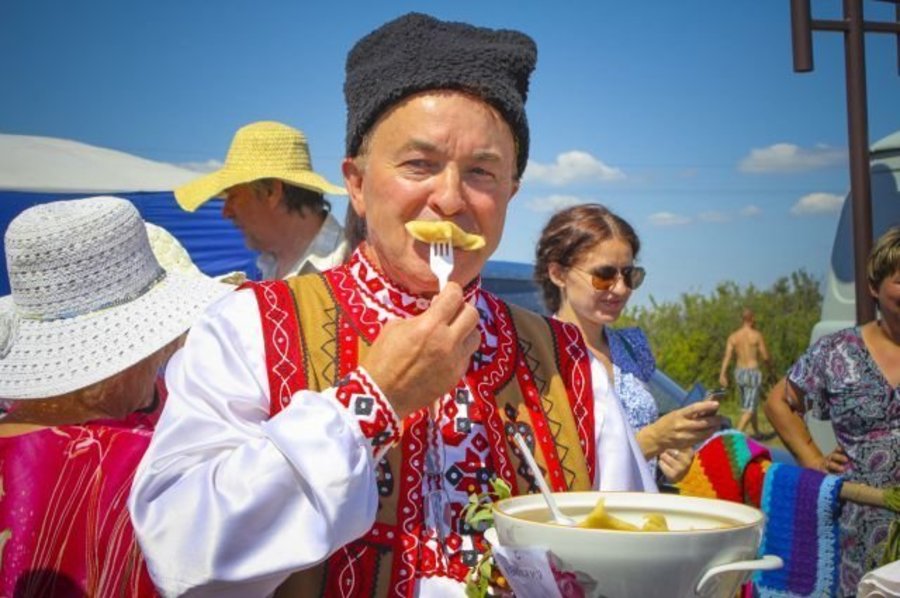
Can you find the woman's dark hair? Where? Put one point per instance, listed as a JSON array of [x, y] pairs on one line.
[[571, 233]]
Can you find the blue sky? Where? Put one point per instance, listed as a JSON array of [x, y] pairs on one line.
[[684, 117]]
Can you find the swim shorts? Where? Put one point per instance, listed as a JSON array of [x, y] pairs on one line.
[[749, 381]]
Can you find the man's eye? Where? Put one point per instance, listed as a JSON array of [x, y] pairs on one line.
[[483, 172], [419, 165]]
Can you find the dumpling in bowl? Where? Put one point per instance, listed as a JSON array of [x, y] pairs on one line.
[[599, 518]]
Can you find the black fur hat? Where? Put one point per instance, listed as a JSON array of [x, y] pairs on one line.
[[417, 52]]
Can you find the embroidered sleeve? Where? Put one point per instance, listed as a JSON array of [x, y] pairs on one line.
[[364, 403]]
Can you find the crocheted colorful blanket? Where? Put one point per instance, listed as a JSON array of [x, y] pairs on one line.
[[801, 507]]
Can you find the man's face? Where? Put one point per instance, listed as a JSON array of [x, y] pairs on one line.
[[252, 214], [435, 156]]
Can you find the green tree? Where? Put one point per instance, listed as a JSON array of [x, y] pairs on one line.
[[688, 336]]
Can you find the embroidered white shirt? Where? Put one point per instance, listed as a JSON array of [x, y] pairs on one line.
[[230, 502]]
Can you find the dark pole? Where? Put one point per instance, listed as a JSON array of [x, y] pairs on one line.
[[897, 19], [858, 134], [801, 36], [854, 29]]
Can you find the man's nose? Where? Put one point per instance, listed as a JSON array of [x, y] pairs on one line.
[[448, 197]]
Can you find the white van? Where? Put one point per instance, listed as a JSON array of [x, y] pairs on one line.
[[839, 301], [839, 304]]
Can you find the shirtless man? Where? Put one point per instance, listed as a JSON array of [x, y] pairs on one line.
[[749, 345]]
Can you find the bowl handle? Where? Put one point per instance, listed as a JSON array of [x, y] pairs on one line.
[[766, 563]]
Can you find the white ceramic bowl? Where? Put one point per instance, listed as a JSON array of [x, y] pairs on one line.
[[709, 551]]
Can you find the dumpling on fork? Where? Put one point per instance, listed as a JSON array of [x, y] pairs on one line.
[[435, 231]]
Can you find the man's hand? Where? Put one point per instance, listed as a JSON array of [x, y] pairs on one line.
[[723, 380], [416, 360]]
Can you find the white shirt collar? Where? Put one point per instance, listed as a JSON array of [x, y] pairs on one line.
[[326, 251]]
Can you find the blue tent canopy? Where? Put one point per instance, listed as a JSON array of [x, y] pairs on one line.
[[214, 244]]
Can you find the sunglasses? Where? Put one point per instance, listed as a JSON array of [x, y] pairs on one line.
[[603, 278]]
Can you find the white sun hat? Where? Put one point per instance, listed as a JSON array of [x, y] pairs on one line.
[[89, 298], [169, 251]]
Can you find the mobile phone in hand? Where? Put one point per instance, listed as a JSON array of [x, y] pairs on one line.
[[717, 394], [699, 393], [714, 395]]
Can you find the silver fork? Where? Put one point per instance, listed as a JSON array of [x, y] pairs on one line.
[[440, 260]]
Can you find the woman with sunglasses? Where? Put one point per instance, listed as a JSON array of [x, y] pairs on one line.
[[585, 267]]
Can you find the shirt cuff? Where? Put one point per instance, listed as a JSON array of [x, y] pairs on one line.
[[364, 403]]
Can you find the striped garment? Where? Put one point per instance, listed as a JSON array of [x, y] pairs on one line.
[[801, 507], [749, 383]]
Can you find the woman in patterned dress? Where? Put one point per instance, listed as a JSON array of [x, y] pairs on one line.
[[585, 267], [852, 377]]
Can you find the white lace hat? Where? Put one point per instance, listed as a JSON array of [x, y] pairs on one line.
[[89, 299]]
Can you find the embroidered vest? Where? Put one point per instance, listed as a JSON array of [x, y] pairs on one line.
[[316, 330]]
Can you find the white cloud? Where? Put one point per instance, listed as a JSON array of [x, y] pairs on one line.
[[750, 211], [552, 203], [713, 217], [203, 167], [668, 219], [817, 203], [572, 167], [787, 157]]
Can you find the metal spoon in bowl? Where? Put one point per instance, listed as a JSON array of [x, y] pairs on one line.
[[558, 515]]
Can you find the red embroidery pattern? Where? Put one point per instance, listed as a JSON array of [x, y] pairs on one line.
[[348, 346], [542, 433], [374, 416], [458, 463], [369, 319], [576, 369], [283, 354], [372, 300], [377, 290], [409, 505], [353, 571], [491, 377]]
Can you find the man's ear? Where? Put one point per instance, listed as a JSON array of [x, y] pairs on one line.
[[353, 180], [515, 188], [557, 273], [276, 194]]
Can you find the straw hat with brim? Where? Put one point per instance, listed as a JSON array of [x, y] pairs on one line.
[[89, 299], [262, 150]]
